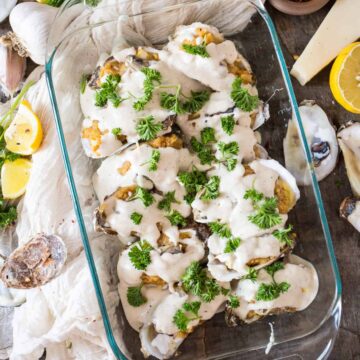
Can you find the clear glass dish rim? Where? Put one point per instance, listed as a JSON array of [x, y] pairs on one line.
[[258, 5]]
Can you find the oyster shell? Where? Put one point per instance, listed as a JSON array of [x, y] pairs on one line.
[[35, 263], [349, 140], [321, 138], [350, 210], [297, 272]]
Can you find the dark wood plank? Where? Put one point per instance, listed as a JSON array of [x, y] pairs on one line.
[[295, 32]]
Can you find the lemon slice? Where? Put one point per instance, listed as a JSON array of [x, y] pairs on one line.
[[24, 135], [345, 78], [14, 177]]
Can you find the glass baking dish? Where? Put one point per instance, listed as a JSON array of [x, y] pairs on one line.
[[308, 334]]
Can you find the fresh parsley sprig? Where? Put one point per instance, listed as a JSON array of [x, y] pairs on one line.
[[168, 199], [136, 218], [193, 181], [199, 50], [135, 297], [211, 189], [8, 215], [269, 292], [176, 218], [283, 235], [220, 229], [181, 320], [139, 254], [228, 124], [234, 301], [228, 153], [116, 131], [232, 245], [147, 128], [196, 281], [242, 98], [152, 76], [153, 162], [144, 195], [251, 275], [207, 135], [109, 92], [204, 152]]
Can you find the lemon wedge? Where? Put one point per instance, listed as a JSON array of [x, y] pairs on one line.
[[345, 78], [24, 135], [14, 177]]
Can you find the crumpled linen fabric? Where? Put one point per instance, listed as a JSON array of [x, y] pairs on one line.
[[63, 316]]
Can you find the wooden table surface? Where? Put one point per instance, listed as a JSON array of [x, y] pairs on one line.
[[295, 32]]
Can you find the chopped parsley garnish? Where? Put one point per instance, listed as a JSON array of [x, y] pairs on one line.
[[207, 135], [228, 124], [228, 151], [139, 255], [196, 281], [251, 275], [192, 105], [203, 152], [234, 301], [155, 157], [193, 182], [181, 320], [108, 92], [224, 291], [266, 215], [151, 76], [176, 218], [144, 195], [116, 131], [283, 235], [135, 297], [211, 188], [8, 215], [268, 292], [192, 307], [136, 218], [232, 245], [196, 50], [147, 128], [220, 229], [242, 98], [83, 81], [165, 203]]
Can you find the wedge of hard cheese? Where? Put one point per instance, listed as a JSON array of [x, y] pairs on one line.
[[340, 28]]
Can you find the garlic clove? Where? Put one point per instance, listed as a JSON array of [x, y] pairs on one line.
[[12, 68], [31, 23], [5, 8]]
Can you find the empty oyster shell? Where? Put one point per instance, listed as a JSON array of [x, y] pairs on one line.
[[321, 138], [350, 210], [35, 263], [349, 140]]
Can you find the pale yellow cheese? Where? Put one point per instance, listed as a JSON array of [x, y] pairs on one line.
[[340, 27]]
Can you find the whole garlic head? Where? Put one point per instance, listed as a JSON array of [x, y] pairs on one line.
[[31, 22]]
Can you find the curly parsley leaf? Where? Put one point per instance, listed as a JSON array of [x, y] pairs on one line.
[[196, 101], [108, 92], [139, 255], [181, 320], [228, 149], [8, 216], [220, 229], [136, 218], [266, 215], [165, 203], [193, 182], [234, 301], [211, 188], [253, 195], [172, 102], [242, 98], [116, 131], [144, 195], [274, 267], [283, 235], [196, 50], [196, 281], [155, 157], [207, 135], [147, 128], [151, 76], [192, 307], [203, 152], [269, 292], [135, 297], [232, 245], [251, 275], [176, 218], [228, 124]]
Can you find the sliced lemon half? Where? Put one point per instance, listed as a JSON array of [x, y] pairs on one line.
[[14, 177], [345, 78], [24, 135]]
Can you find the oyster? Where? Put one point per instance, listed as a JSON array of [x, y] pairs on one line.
[[321, 138], [350, 210], [299, 282], [35, 263], [349, 140]]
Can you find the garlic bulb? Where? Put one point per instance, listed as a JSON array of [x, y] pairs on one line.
[[31, 22], [12, 68], [5, 8]]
